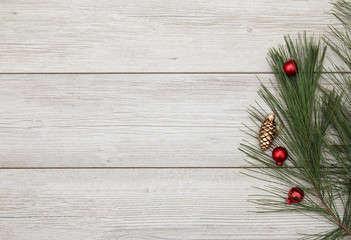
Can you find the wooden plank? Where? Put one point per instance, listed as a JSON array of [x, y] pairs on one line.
[[139, 204], [150, 36], [124, 120]]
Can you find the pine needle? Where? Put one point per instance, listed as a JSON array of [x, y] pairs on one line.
[[317, 129]]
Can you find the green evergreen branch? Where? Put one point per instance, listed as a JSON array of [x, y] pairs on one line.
[[331, 213], [317, 129]]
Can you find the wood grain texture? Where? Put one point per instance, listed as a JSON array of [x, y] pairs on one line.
[[150, 35], [124, 120], [161, 128], [139, 204]]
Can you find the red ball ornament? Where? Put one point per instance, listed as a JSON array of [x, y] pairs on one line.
[[296, 195], [290, 68], [280, 154]]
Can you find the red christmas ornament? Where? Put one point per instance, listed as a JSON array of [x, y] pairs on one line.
[[290, 68], [296, 195], [280, 154]]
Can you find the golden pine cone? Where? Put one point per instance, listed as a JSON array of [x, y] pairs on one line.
[[267, 132]]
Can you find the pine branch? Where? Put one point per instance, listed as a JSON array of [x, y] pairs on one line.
[[307, 111], [317, 128], [331, 213], [339, 146]]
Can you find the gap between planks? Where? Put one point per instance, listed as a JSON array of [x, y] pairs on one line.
[[83, 168], [121, 168], [136, 73], [153, 73]]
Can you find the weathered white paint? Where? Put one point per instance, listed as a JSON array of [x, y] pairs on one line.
[[165, 122], [150, 35], [109, 120], [139, 204]]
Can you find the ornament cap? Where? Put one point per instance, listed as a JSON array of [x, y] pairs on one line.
[[288, 201]]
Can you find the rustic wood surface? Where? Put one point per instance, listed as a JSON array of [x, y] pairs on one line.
[[139, 204], [122, 119], [170, 120], [150, 35]]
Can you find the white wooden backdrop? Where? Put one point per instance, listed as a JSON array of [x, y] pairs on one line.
[[121, 119]]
